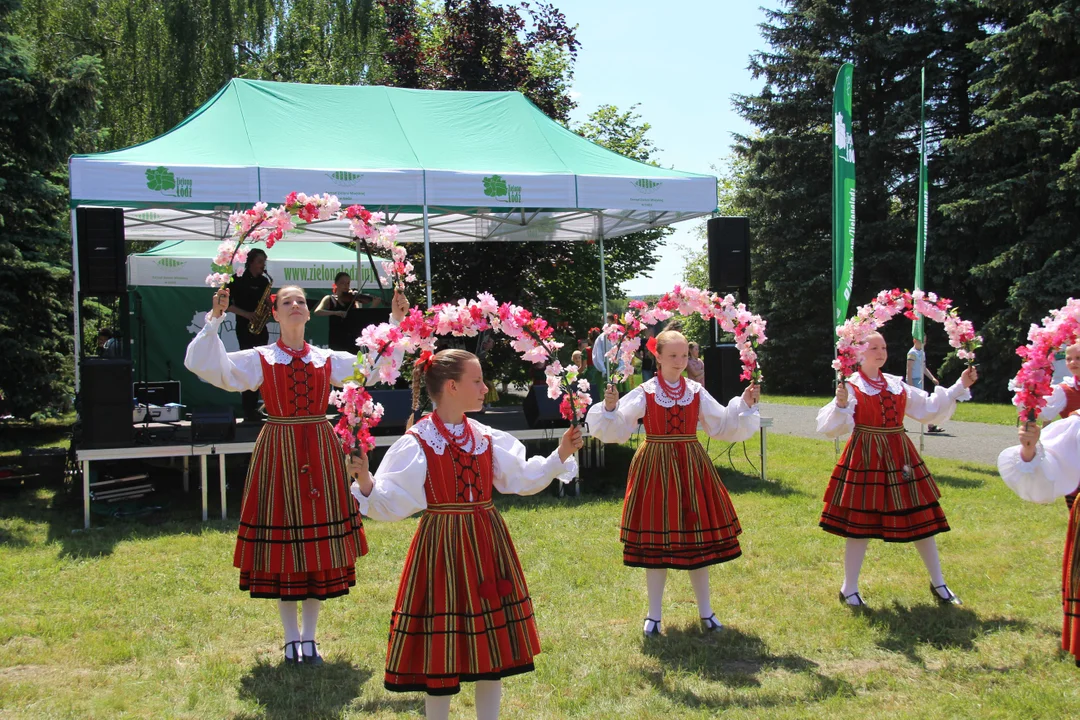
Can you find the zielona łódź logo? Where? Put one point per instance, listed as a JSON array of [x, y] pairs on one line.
[[646, 186], [495, 186], [343, 177], [163, 181]]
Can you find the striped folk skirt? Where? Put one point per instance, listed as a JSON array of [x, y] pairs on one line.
[[463, 611], [300, 532], [1070, 587], [677, 513], [881, 489]]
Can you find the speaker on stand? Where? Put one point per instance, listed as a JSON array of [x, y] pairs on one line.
[[729, 272], [102, 256], [105, 402], [729, 255]]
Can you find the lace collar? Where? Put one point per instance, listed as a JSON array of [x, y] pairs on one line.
[[426, 431], [274, 355], [650, 387], [1069, 381], [892, 382]]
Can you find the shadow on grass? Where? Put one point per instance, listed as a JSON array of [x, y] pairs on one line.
[[734, 659], [740, 483], [939, 626], [291, 691], [961, 483]]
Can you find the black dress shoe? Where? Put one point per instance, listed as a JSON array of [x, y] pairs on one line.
[[948, 599], [297, 655], [653, 631], [856, 595], [711, 624], [313, 657]]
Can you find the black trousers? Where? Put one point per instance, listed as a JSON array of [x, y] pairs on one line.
[[246, 341]]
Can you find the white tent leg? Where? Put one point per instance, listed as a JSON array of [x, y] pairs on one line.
[[603, 275], [427, 256]]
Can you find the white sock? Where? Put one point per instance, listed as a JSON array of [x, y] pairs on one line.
[[310, 611], [699, 580], [854, 553], [927, 547], [488, 697], [437, 707], [287, 610], [655, 578]]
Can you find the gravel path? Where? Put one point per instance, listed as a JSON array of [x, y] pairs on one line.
[[976, 442]]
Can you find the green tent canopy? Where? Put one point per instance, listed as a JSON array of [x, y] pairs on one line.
[[485, 165]]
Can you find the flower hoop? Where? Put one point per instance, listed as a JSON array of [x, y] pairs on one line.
[[888, 303], [380, 346], [1032, 384], [748, 329], [257, 224]]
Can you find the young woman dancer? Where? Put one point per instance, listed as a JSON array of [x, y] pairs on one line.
[[1042, 471], [676, 513], [462, 612], [299, 533], [1065, 399], [881, 488]]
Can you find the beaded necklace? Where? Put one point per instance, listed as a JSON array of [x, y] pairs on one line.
[[462, 441], [298, 354], [672, 392]]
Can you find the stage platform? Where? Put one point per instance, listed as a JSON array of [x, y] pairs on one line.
[[174, 440]]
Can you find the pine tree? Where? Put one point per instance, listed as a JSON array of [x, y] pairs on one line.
[[40, 123], [787, 189], [1016, 202]]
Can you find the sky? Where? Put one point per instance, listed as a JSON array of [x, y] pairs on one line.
[[680, 62]]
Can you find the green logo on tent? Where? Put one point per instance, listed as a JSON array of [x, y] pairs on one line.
[[147, 216], [342, 177], [646, 186], [163, 181], [496, 186], [170, 262]]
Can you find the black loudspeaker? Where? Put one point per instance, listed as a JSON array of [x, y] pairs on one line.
[[722, 370], [213, 424], [541, 411], [397, 407], [105, 402], [102, 256], [729, 253]]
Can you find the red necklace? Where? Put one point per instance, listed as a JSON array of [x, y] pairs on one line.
[[298, 354], [879, 384], [672, 392], [463, 440]]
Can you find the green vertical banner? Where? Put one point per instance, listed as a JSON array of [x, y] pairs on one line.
[[843, 195], [924, 197]]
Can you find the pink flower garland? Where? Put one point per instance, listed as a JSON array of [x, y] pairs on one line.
[[852, 335], [1032, 384], [734, 318], [380, 346], [257, 224]]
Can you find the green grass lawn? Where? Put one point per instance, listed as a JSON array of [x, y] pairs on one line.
[[143, 619], [993, 413]]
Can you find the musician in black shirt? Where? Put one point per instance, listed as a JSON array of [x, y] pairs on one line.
[[245, 294], [344, 308]]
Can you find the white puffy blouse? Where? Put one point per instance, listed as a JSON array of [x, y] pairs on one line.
[[927, 408], [734, 423], [1054, 471], [241, 371], [399, 482]]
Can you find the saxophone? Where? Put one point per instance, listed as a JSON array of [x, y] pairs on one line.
[[262, 310]]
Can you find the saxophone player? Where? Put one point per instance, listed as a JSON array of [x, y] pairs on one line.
[[246, 293]]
